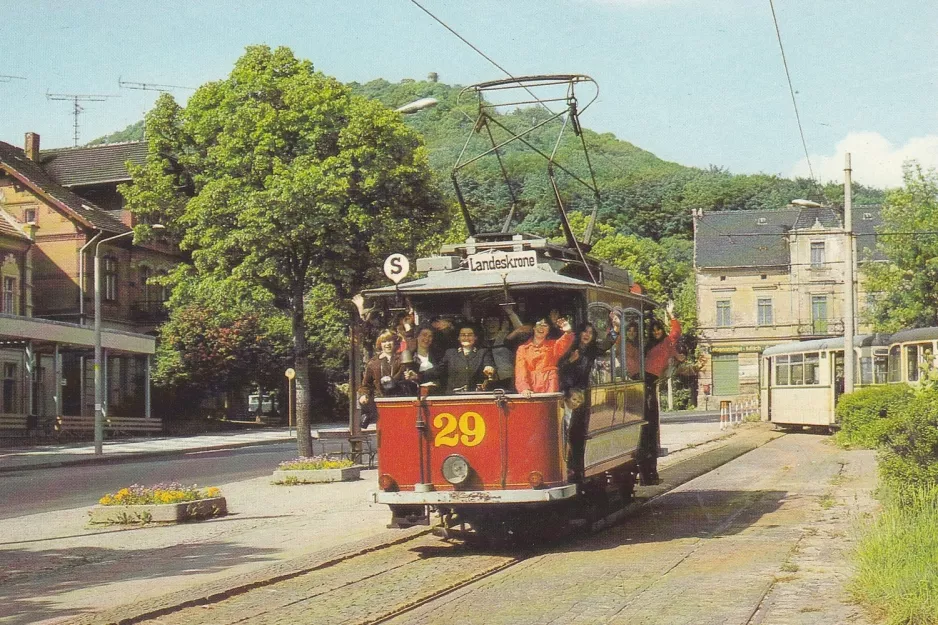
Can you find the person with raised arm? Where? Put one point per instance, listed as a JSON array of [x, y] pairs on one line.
[[660, 351], [536, 363]]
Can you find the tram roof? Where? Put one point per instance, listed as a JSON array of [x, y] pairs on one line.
[[915, 334], [820, 345], [462, 280]]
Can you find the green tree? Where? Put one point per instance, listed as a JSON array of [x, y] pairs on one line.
[[906, 287], [281, 178]]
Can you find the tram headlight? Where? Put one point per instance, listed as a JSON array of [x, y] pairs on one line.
[[386, 482], [455, 469], [536, 479]]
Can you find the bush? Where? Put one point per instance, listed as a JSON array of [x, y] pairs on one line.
[[909, 458], [864, 414], [897, 559]]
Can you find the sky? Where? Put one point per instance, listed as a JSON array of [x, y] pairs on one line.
[[697, 82]]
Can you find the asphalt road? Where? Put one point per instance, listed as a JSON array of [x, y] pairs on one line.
[[59, 488]]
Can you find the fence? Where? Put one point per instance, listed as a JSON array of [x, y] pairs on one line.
[[743, 408]]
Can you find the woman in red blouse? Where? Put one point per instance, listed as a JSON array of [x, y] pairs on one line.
[[536, 363]]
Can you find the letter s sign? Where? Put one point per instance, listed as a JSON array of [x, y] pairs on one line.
[[396, 267]]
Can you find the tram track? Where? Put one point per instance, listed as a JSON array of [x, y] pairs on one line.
[[382, 582]]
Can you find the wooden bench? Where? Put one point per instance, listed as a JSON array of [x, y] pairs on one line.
[[366, 442], [67, 424]]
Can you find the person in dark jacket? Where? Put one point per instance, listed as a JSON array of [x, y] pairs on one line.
[[575, 369], [383, 374], [425, 367], [467, 366]]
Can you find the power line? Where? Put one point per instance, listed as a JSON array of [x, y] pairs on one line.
[[794, 102]]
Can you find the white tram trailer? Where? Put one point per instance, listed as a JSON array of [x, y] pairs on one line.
[[911, 354], [800, 382]]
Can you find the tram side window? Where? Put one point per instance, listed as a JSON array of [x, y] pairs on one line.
[[633, 337], [606, 367], [919, 358], [894, 365], [797, 369], [781, 370]]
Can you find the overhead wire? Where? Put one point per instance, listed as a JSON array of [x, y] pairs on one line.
[[794, 101]]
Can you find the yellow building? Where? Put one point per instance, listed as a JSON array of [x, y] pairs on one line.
[[768, 277], [48, 236]]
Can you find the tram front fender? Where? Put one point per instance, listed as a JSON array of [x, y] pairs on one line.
[[481, 497]]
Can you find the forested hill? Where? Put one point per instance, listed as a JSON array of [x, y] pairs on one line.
[[641, 194]]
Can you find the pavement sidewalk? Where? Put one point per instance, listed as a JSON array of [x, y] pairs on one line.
[[58, 455]]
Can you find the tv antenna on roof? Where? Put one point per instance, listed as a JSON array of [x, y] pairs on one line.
[[6, 78], [150, 86], [75, 98]]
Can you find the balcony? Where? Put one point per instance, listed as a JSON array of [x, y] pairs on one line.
[[148, 311], [822, 327]]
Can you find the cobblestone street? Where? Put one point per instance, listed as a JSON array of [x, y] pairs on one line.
[[759, 540]]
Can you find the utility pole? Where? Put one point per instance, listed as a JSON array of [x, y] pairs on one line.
[[75, 98], [849, 313]]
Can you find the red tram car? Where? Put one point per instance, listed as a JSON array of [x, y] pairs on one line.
[[489, 458], [496, 460]]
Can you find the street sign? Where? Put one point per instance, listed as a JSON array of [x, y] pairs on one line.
[[396, 267]]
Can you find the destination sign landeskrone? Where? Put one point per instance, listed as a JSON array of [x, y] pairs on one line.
[[503, 261]]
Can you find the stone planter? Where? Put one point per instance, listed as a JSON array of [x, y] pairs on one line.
[[159, 513], [316, 476]]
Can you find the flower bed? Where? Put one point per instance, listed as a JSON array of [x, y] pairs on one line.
[[163, 503], [316, 469]]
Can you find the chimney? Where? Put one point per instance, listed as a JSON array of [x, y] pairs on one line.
[[32, 146]]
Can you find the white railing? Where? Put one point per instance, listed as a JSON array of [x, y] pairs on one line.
[[734, 412]]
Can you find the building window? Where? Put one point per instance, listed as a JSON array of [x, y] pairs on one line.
[[110, 278], [8, 303], [818, 259], [819, 313], [764, 313], [29, 215], [9, 387], [724, 314]]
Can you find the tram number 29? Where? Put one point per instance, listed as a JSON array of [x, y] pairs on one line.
[[468, 429]]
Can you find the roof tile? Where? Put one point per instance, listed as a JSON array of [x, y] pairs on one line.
[[93, 164]]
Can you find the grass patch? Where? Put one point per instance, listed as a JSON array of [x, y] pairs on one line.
[[826, 501], [897, 560], [790, 567]]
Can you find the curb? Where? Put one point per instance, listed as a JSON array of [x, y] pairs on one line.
[[130, 456]]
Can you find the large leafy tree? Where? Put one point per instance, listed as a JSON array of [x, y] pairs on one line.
[[906, 287], [278, 176]]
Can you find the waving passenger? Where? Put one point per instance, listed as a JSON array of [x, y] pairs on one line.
[[536, 363], [659, 353]]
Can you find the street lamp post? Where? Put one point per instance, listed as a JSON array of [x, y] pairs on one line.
[[98, 385]]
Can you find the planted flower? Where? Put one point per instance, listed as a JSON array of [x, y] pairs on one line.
[[316, 469], [314, 463], [162, 503], [173, 492]]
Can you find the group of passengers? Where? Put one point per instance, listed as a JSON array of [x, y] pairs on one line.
[[544, 357]]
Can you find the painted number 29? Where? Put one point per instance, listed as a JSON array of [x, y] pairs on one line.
[[469, 429]]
